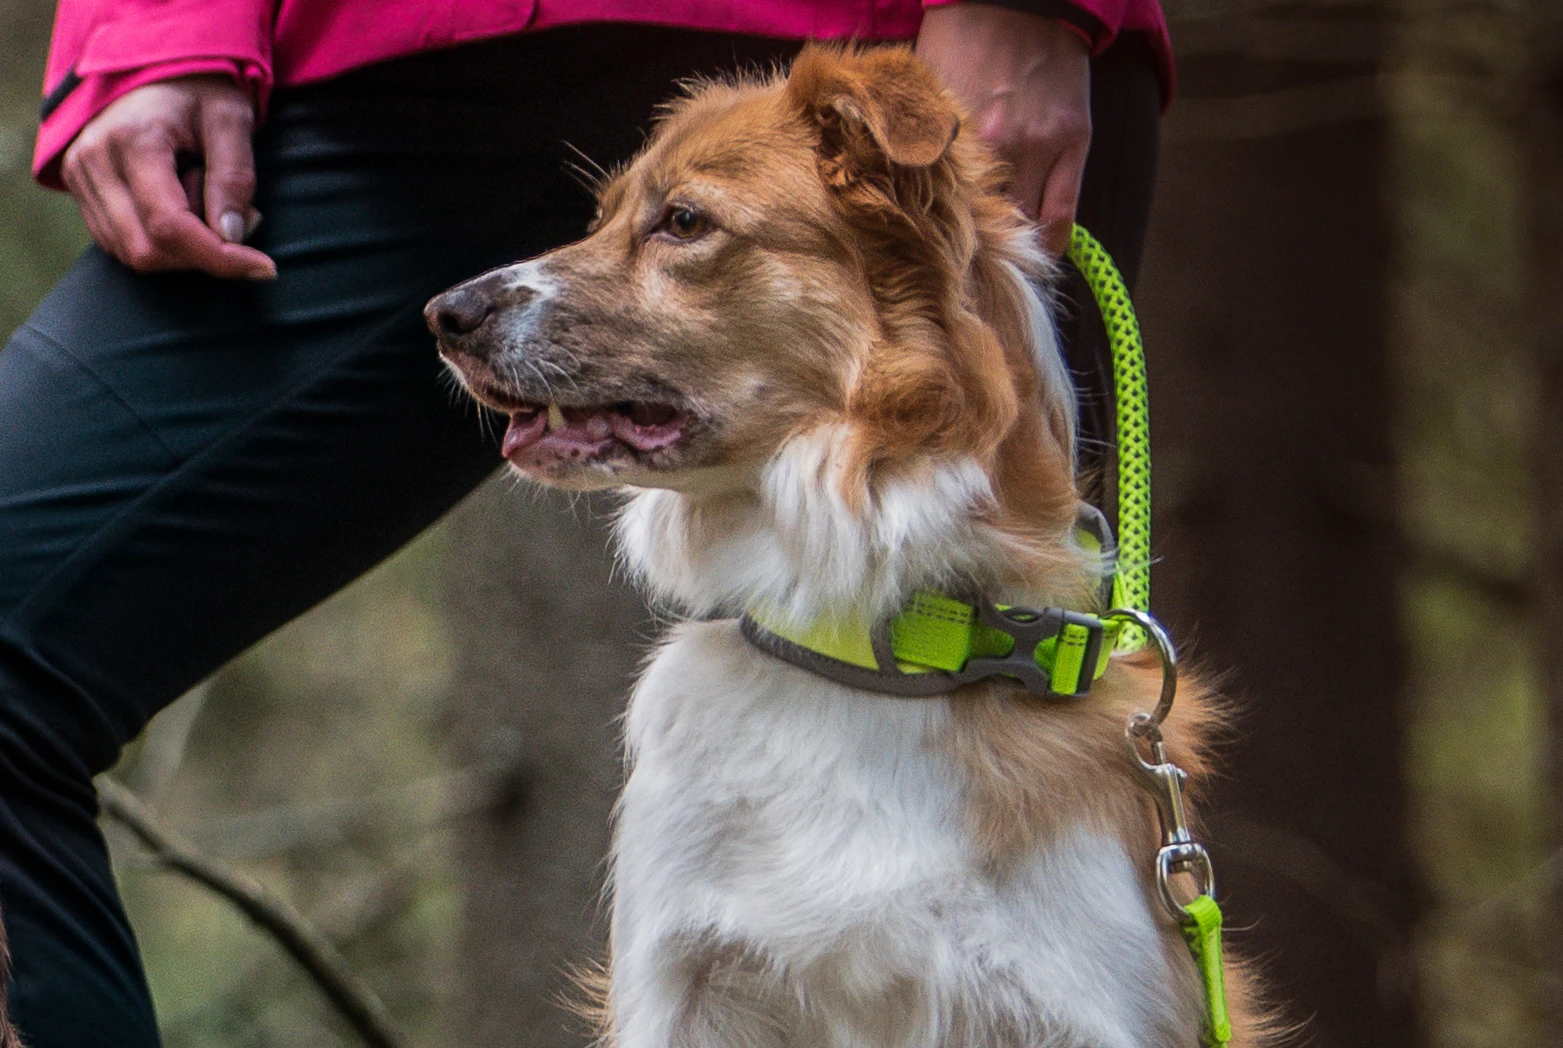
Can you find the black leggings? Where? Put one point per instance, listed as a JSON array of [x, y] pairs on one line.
[[186, 464]]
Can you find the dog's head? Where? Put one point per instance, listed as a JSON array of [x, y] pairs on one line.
[[828, 248]]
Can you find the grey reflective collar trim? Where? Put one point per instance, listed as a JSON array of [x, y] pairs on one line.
[[894, 682]]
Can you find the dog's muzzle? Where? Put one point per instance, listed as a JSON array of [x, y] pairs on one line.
[[462, 318]]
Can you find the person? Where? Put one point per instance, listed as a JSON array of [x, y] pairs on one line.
[[229, 407]]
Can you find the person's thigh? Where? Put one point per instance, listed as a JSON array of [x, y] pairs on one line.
[[186, 464]]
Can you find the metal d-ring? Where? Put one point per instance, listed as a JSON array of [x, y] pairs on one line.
[[1149, 724]]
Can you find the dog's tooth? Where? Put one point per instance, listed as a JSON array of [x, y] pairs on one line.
[[555, 417]]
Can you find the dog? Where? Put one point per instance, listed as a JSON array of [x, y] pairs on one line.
[[8, 1034], [805, 335]]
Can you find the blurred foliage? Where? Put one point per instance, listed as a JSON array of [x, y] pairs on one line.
[[1475, 708], [40, 232], [317, 761]]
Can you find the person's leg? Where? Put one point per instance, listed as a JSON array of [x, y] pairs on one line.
[[186, 464], [1115, 206]]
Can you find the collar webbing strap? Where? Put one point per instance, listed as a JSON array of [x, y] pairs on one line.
[[937, 644]]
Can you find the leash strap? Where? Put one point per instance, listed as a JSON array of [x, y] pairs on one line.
[[1200, 919], [1202, 929]]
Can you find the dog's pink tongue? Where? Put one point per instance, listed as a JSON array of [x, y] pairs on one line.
[[524, 430]]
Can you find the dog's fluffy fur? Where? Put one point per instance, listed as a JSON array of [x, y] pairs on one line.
[[8, 1036], [806, 332]]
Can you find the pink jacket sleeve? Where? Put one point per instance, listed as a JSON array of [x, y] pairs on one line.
[[103, 48]]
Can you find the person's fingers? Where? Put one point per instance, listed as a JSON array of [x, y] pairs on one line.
[[144, 201], [1030, 161], [193, 178], [148, 210], [79, 189], [170, 235], [90, 173], [1060, 200], [125, 235], [226, 126]]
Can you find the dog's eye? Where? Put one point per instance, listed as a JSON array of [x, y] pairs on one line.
[[685, 223]]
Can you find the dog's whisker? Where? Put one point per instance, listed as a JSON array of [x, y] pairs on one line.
[[587, 180], [597, 175]]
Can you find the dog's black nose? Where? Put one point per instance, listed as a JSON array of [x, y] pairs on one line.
[[458, 312]]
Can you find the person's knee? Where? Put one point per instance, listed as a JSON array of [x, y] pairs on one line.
[[53, 736]]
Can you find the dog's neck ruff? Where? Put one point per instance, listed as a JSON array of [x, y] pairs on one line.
[[936, 643]]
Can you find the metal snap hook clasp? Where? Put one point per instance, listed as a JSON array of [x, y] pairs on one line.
[[1180, 852]]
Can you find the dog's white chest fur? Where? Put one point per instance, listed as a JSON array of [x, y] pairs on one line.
[[793, 866]]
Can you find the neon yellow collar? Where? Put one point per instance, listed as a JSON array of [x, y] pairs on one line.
[[937, 644]]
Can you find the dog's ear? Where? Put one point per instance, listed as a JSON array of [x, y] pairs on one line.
[[877, 103]]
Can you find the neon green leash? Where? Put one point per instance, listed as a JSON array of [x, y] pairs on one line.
[[1201, 917], [1204, 938]]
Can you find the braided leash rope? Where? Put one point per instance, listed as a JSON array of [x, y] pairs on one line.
[[1132, 580]]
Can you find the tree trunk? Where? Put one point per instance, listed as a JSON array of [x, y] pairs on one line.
[[1546, 160], [550, 642]]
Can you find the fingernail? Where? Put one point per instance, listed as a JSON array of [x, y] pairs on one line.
[[231, 226], [252, 221], [269, 273]]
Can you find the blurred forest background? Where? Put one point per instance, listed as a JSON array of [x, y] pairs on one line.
[[1353, 298]]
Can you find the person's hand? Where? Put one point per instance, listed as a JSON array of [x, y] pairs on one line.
[[1026, 80], [123, 170]]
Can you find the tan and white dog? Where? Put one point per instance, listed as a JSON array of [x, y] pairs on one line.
[[805, 336]]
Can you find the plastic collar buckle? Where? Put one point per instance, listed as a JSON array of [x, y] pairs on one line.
[[1030, 629]]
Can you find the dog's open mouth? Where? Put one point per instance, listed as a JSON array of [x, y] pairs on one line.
[[550, 432], [586, 431]]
